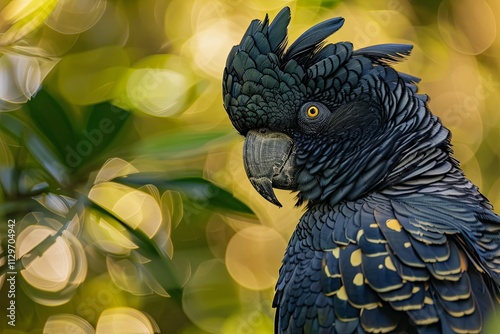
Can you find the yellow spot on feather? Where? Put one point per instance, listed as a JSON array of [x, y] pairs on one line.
[[336, 252], [394, 225], [428, 301], [389, 264], [356, 258], [427, 321], [463, 313], [463, 261], [407, 244], [374, 225], [341, 294], [328, 274], [359, 235], [331, 293], [358, 279]]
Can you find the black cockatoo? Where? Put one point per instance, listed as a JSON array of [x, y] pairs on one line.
[[395, 238]]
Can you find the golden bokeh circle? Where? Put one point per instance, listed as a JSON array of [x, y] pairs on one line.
[[253, 257]]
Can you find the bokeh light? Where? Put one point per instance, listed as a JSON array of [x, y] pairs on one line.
[[210, 296], [74, 17], [52, 270], [125, 320], [252, 256], [159, 85], [62, 323], [50, 278], [109, 235], [472, 36]]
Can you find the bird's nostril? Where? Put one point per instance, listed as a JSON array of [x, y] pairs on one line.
[[263, 131]]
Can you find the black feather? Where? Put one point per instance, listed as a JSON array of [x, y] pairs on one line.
[[385, 53], [277, 32], [310, 41]]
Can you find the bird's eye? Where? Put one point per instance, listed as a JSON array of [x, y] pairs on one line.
[[312, 116], [312, 111]]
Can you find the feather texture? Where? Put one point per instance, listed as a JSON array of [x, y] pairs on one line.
[[310, 41]]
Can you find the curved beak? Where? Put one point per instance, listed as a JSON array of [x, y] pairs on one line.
[[269, 159]]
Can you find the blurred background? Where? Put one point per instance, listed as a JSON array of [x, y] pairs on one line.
[[121, 179]]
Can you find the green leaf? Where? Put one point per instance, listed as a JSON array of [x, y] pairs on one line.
[[11, 125], [204, 192], [181, 143], [45, 155], [103, 125], [106, 119], [41, 149], [8, 180], [52, 120]]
